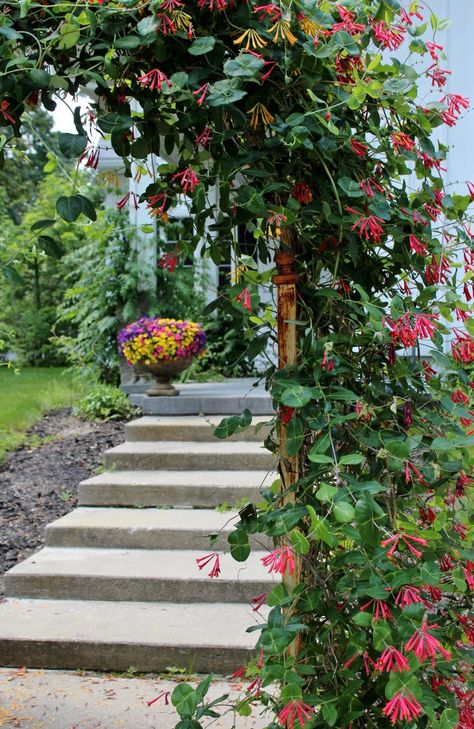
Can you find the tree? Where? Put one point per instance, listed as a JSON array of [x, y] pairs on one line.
[[298, 117]]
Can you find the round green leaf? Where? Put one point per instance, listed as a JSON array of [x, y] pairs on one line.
[[343, 512], [202, 45], [297, 396], [69, 208], [184, 700], [299, 542], [239, 545]]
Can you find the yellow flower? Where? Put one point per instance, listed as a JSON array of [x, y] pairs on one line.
[[282, 31], [182, 20], [308, 26], [252, 39], [259, 112]]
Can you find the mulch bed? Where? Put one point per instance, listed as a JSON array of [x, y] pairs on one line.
[[39, 483]]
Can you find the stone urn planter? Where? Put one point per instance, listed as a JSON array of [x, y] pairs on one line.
[[162, 349], [163, 373]]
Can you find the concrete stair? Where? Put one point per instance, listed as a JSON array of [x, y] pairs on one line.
[[117, 585]]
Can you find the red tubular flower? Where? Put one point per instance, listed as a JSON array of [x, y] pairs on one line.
[[295, 710], [424, 645], [469, 574], [432, 49], [408, 539], [368, 185], [286, 414], [162, 695], [157, 204], [213, 4], [359, 148], [204, 561], [258, 602], [437, 271], [392, 660], [121, 203], [381, 610], [187, 179], [438, 77], [280, 560], [244, 298], [459, 396], [269, 12], [402, 141], [390, 37], [446, 563], [346, 67], [462, 348], [201, 94], [326, 363], [368, 226], [4, 105], [408, 596], [427, 516], [407, 415], [168, 261], [154, 80], [417, 246], [429, 371], [254, 687], [402, 706], [240, 672], [303, 193], [204, 137], [348, 23], [461, 483], [470, 187], [435, 592]]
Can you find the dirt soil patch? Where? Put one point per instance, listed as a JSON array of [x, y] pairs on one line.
[[39, 481]]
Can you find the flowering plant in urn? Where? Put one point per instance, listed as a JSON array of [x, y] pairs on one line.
[[162, 347]]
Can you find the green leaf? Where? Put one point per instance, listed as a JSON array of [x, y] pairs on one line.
[[222, 93], [326, 492], [398, 448], [363, 620], [128, 42], [319, 529], [343, 512], [276, 640], [369, 517], [297, 396], [239, 545], [69, 34], [299, 541], [382, 636], [11, 274], [184, 699], [350, 187], [50, 246], [203, 687], [87, 207], [41, 224], [294, 436], [330, 714], [251, 200], [69, 208], [72, 145], [448, 444], [228, 426], [148, 25], [245, 66], [188, 724], [351, 459], [320, 458], [202, 45]]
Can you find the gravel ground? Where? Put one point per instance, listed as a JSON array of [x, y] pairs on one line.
[[39, 481]]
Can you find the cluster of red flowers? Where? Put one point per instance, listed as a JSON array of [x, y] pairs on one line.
[[411, 327]]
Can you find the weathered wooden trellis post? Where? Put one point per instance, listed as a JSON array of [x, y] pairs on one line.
[[285, 281]]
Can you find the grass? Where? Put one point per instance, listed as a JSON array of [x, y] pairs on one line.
[[26, 396]]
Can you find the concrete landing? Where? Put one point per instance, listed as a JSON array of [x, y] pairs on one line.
[[230, 397], [60, 700]]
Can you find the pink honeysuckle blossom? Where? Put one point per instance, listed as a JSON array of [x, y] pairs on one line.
[[433, 49], [154, 80], [417, 246], [424, 645], [392, 660], [408, 596], [438, 76], [402, 141], [380, 609], [369, 663], [204, 561], [187, 179], [240, 672], [201, 94], [280, 560], [258, 602], [347, 23], [368, 185], [295, 710], [389, 36], [244, 299], [462, 348], [254, 689], [162, 695], [368, 226], [129, 195], [204, 137], [168, 261], [408, 539], [403, 706]]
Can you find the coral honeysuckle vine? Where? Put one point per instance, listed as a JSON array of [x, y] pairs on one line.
[[303, 118]]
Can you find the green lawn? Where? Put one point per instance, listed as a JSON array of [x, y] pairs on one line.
[[26, 396]]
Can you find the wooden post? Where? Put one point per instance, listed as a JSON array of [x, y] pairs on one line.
[[285, 281]]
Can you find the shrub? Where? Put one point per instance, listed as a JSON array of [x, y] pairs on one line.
[[104, 402]]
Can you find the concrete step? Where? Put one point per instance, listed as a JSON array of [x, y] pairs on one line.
[[178, 488], [187, 456], [103, 636], [113, 528], [142, 575], [191, 428]]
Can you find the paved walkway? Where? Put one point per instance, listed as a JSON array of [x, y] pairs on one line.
[[58, 700]]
